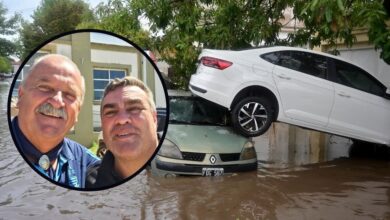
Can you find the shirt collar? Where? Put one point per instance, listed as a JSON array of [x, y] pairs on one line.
[[28, 149], [108, 165]]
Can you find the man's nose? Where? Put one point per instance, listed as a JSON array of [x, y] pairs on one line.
[[123, 117], [57, 100]]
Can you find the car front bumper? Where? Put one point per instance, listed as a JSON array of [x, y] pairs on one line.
[[196, 169]]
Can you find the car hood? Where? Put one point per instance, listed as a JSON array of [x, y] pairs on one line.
[[205, 139]]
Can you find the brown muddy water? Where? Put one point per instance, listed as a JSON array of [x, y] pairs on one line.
[[291, 182]]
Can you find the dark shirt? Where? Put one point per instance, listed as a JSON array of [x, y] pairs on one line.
[[105, 175], [73, 159]]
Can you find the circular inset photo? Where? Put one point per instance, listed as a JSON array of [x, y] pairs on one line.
[[87, 109]]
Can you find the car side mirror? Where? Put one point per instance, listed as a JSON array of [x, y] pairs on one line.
[[387, 94]]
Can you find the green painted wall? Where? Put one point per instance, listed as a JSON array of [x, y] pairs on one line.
[[81, 55], [150, 78]]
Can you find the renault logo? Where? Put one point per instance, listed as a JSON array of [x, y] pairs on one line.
[[213, 159]]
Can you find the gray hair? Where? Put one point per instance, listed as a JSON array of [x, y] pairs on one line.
[[38, 60], [130, 81]]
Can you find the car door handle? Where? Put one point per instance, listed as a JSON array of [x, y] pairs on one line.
[[343, 94], [282, 76]]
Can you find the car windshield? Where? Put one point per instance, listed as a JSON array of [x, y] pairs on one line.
[[193, 110]]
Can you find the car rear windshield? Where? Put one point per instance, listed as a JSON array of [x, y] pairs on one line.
[[194, 110]]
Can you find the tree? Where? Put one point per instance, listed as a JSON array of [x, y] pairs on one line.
[[5, 65], [7, 28], [52, 17], [188, 26], [180, 29], [336, 20], [118, 17]]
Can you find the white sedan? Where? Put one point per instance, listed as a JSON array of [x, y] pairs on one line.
[[296, 86]]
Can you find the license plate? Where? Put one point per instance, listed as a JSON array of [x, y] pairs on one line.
[[212, 171]]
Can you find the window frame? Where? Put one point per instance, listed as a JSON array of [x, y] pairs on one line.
[[333, 77], [109, 79], [279, 52]]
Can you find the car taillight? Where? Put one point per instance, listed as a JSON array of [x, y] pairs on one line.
[[215, 63]]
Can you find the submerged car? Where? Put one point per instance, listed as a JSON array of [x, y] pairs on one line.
[[200, 140], [297, 86]]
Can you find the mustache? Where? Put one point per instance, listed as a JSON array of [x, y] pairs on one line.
[[126, 127], [48, 109]]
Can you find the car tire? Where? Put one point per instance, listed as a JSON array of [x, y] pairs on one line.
[[252, 116]]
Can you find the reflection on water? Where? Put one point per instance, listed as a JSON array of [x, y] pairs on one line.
[[284, 145], [289, 184]]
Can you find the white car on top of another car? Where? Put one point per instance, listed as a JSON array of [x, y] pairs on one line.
[[297, 86]]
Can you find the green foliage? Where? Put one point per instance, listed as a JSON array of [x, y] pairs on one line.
[[174, 36], [375, 18], [333, 21], [182, 28], [52, 17], [324, 21], [119, 17], [5, 65], [94, 147], [7, 47], [7, 27]]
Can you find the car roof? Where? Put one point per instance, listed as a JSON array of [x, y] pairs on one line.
[[267, 49], [264, 50], [278, 48]]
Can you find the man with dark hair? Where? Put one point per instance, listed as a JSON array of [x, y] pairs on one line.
[[129, 124], [50, 98]]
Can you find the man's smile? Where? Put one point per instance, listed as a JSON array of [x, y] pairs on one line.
[[48, 110]]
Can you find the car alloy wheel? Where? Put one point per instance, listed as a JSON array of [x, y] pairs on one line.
[[252, 116]]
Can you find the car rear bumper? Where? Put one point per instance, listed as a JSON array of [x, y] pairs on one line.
[[197, 89], [210, 88]]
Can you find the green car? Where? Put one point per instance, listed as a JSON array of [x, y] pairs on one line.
[[200, 140]]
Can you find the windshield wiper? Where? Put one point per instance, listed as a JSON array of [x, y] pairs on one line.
[[177, 122], [207, 123]]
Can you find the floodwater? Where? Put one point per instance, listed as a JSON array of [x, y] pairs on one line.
[[293, 185]]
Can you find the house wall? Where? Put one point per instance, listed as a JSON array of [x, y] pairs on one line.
[[364, 54], [64, 49], [369, 59], [114, 57]]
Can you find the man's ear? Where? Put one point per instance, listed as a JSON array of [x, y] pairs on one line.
[[154, 114], [20, 91], [20, 94], [79, 109], [155, 117]]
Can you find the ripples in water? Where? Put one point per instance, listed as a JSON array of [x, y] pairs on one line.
[[346, 188]]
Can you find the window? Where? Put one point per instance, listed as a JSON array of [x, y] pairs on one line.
[[101, 77], [271, 57], [309, 63], [352, 76], [288, 61], [191, 110]]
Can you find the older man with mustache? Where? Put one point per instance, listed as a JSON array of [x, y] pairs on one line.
[[129, 124], [50, 98]]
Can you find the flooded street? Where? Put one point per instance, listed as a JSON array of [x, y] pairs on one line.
[[291, 182]]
